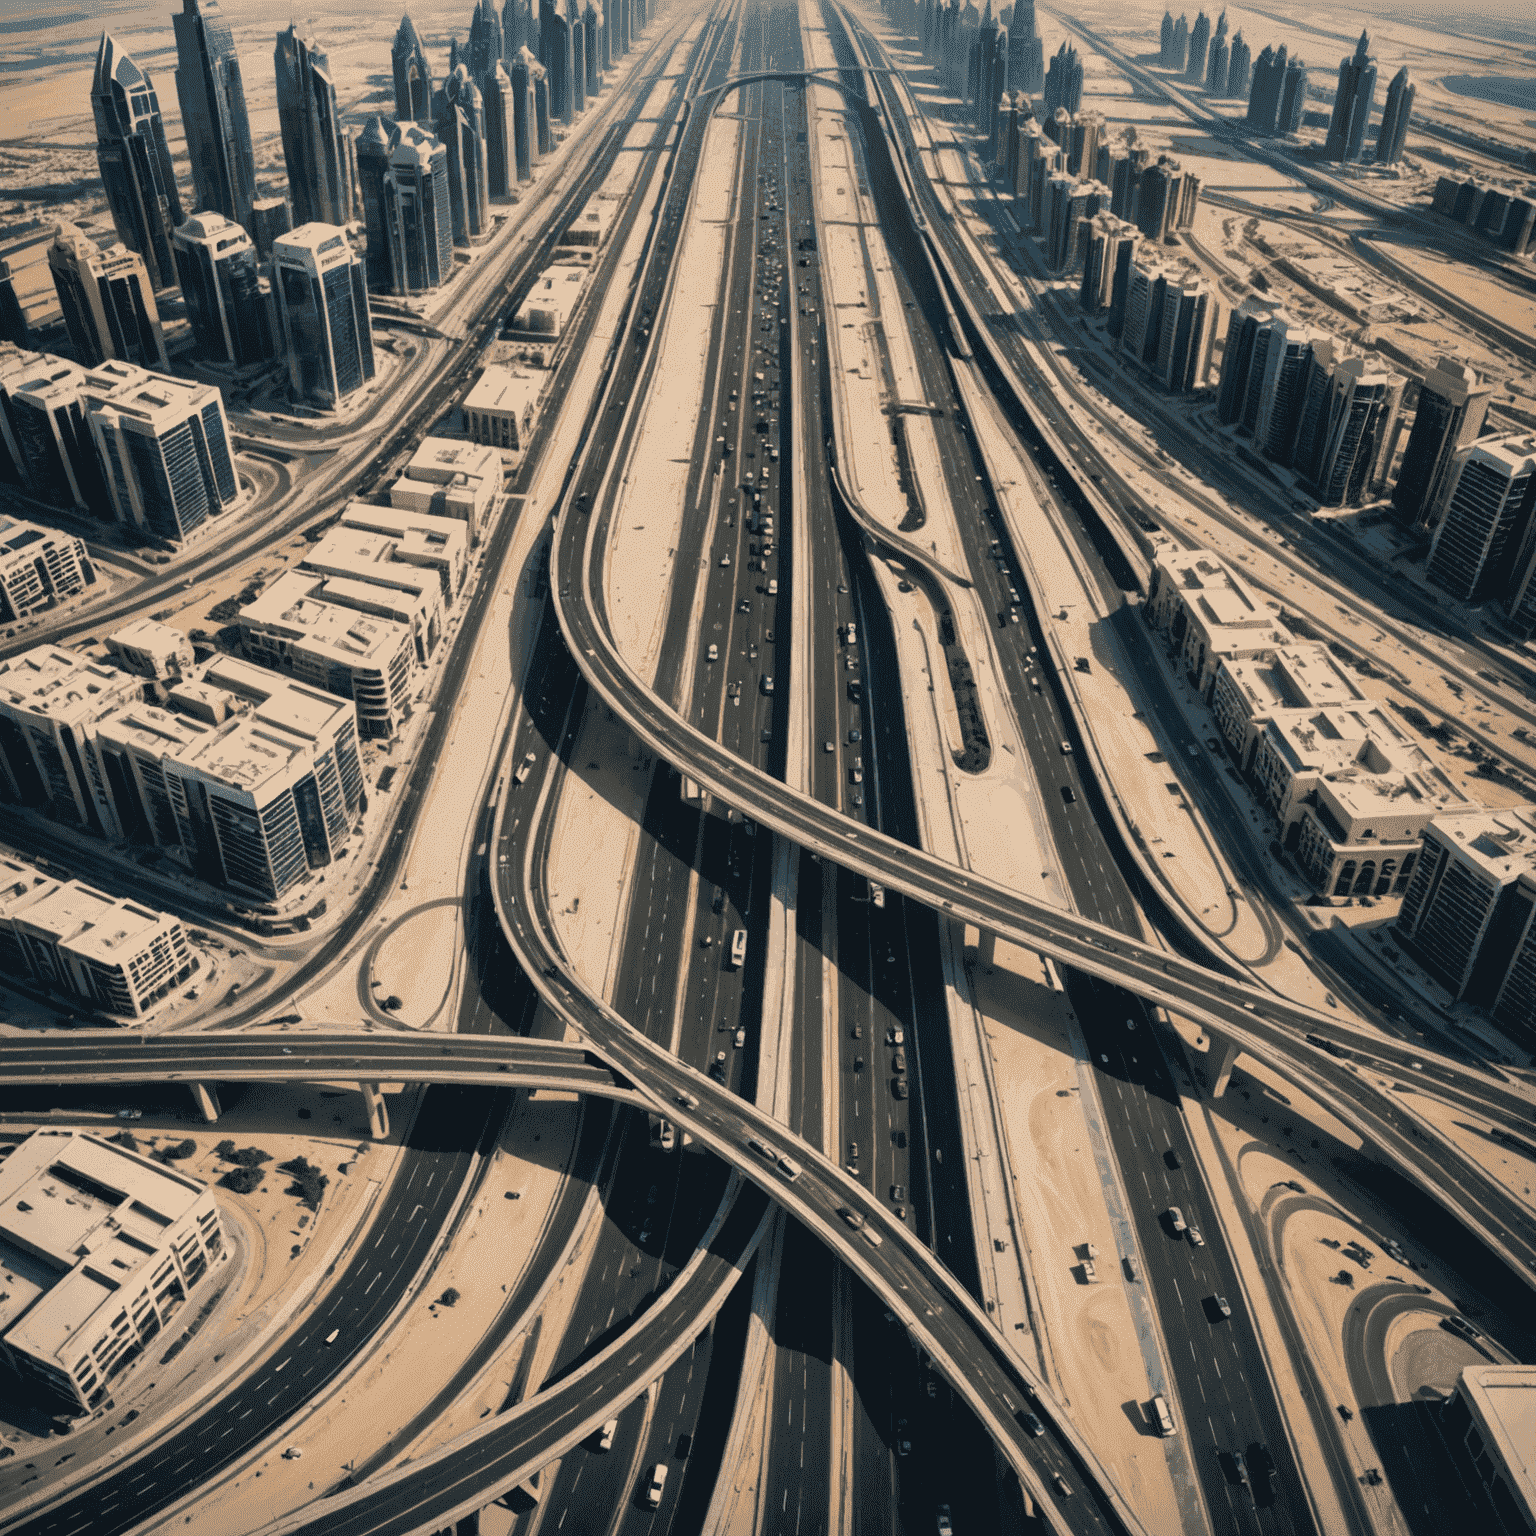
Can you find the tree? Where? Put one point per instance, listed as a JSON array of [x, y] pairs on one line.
[[308, 1182], [449, 1297], [243, 1181]]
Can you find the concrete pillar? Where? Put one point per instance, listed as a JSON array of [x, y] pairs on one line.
[[1222, 1056], [378, 1111], [206, 1099], [986, 949]]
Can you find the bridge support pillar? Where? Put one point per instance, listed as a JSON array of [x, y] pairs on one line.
[[1223, 1057], [378, 1111], [206, 1098], [986, 950]]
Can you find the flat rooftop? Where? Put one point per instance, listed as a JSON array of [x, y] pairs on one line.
[[1501, 843], [49, 680], [79, 1217], [441, 459], [355, 639], [151, 730], [505, 389], [90, 922]]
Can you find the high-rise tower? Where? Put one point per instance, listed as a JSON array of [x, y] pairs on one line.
[[413, 76], [418, 220], [323, 300], [211, 90], [216, 263], [316, 150], [461, 127], [109, 306], [135, 161], [1452, 409], [1395, 113], [1352, 104]]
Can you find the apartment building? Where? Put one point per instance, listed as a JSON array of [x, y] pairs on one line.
[[100, 1249], [1247, 693], [153, 650], [1467, 915], [1209, 614], [355, 655], [359, 569], [448, 478], [502, 408], [116, 955], [38, 566], [1353, 792], [438, 544], [51, 701]]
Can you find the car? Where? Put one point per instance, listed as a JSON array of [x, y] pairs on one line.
[[851, 1218], [1221, 1306], [1131, 1024], [898, 1087], [1031, 1422], [1062, 1486], [899, 1063], [739, 1039], [754, 1145], [1459, 1324], [1070, 796], [829, 746], [872, 1237], [1195, 1239], [858, 1063], [605, 1435], [725, 559], [744, 606], [1066, 748], [293, 1453], [1176, 1219], [766, 681], [687, 1100], [898, 1192], [707, 941], [773, 591], [333, 1335], [855, 735], [130, 1114], [941, 1520], [789, 1169], [525, 767], [656, 1485], [1239, 1467], [895, 1035], [1171, 1159], [712, 654]]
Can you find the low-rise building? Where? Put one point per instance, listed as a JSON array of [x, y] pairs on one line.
[[118, 956], [1298, 676], [100, 1248], [1209, 614], [396, 589], [152, 650], [551, 301], [439, 544], [1491, 1419], [502, 408], [133, 744], [591, 226], [449, 478], [354, 655], [1468, 911], [51, 700], [1352, 792], [38, 566]]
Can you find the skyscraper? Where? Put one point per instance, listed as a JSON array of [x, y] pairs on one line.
[[1239, 66], [323, 301], [211, 90], [1064, 81], [315, 147], [1186, 329], [270, 217], [413, 76], [555, 54], [517, 29], [1452, 409], [1282, 388], [1264, 94], [1487, 518], [1111, 247], [485, 42], [1293, 97], [135, 161], [500, 133], [1199, 43], [371, 155], [1026, 53], [1352, 104], [1395, 113], [461, 127], [417, 212], [228, 311], [51, 437], [109, 306], [529, 132], [165, 442], [1348, 417], [1251, 320], [1143, 309]]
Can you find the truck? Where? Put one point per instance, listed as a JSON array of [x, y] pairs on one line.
[[738, 948]]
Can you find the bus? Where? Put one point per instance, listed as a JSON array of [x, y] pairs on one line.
[[738, 948]]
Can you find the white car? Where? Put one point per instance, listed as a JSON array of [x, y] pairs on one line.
[[942, 1520], [656, 1486], [605, 1436], [713, 653]]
